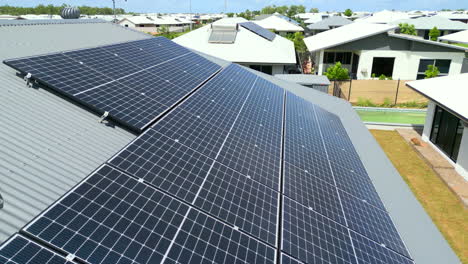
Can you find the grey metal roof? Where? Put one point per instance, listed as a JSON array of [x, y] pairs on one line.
[[424, 241], [304, 79], [427, 41], [327, 23], [427, 23], [48, 144], [25, 22]]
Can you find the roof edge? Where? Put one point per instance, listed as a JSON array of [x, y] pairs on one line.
[[34, 22]]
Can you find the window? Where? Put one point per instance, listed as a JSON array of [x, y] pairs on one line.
[[268, 69], [383, 66], [446, 133], [442, 65], [334, 57]]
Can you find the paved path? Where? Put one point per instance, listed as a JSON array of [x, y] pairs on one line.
[[439, 164]]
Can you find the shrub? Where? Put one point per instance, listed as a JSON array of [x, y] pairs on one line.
[[337, 72], [382, 77], [431, 72], [373, 75], [434, 33], [387, 102], [365, 102]]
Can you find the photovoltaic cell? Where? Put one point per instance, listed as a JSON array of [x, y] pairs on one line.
[[369, 252], [111, 218], [262, 32], [240, 201], [313, 238], [371, 222], [203, 239], [20, 250], [164, 163], [312, 193]]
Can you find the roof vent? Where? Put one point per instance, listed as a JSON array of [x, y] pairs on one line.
[[70, 13]]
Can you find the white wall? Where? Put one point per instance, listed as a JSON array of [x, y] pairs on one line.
[[462, 161], [276, 69], [407, 62], [429, 118]]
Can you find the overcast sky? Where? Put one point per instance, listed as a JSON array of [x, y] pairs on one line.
[[215, 6]]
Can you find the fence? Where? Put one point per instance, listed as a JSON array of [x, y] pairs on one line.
[[377, 91]]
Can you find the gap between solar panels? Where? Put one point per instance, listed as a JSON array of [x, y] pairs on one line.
[[136, 82]]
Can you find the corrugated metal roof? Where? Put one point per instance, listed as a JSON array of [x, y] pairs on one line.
[[459, 37], [48, 144], [427, 23], [330, 22]]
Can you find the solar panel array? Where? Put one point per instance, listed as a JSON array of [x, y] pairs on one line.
[[262, 32], [241, 171], [135, 81]]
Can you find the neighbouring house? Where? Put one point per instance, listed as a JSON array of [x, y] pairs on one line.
[[368, 50], [204, 180], [446, 126], [459, 37], [385, 17], [327, 24], [461, 16], [152, 24], [424, 24], [229, 40], [316, 82], [281, 25]]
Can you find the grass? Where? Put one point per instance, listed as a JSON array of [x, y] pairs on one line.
[[446, 211], [392, 117], [462, 45]]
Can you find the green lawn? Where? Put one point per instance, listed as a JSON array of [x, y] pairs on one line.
[[392, 117]]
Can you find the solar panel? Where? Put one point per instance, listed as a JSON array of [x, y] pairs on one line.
[[164, 163], [313, 238], [203, 239], [371, 222], [111, 218], [154, 73], [262, 32], [369, 252], [285, 259], [312, 192], [21, 250], [240, 201]]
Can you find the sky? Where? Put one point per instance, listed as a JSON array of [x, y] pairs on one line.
[[216, 6]]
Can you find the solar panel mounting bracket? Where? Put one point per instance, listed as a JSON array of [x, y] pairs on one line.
[[70, 257], [104, 116], [27, 78]]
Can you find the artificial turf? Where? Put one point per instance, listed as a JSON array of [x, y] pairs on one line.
[[392, 117]]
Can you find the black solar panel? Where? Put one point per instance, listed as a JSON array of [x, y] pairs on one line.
[[164, 163], [203, 239], [21, 250], [134, 81], [369, 252], [111, 218], [265, 33], [371, 222], [313, 238], [240, 201], [285, 259]]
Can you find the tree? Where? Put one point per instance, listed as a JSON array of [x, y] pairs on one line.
[[337, 72], [408, 29], [348, 12], [298, 39], [431, 72], [230, 14], [434, 33], [314, 10]]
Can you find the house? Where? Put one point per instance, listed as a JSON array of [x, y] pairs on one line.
[[228, 40], [385, 17], [152, 24], [368, 50], [56, 176], [446, 126], [459, 37], [280, 25], [317, 82], [327, 24], [424, 24], [460, 16]]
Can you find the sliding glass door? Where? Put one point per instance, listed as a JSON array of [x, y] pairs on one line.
[[447, 131]]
